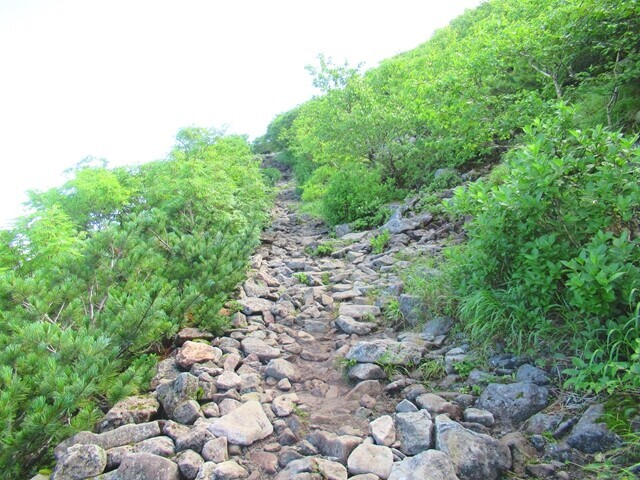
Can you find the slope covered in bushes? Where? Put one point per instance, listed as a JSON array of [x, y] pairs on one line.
[[550, 88], [105, 270]]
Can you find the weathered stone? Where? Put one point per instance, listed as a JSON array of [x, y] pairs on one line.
[[590, 436], [244, 425], [171, 394], [332, 445], [216, 450], [366, 387], [474, 455], [415, 432], [513, 403], [229, 380], [127, 434], [346, 295], [542, 422], [189, 463], [436, 405], [394, 353], [255, 306], [162, 446], [283, 405], [135, 409], [280, 368], [405, 406], [522, 452], [229, 470], [325, 470], [258, 347], [411, 307], [428, 465], [267, 462], [366, 371], [187, 412], [194, 439], [190, 334], [80, 461], [529, 374], [368, 458], [138, 466], [359, 311], [383, 430], [476, 415], [167, 370], [437, 327], [196, 352], [349, 325]]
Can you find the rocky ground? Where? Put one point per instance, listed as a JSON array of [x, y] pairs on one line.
[[312, 383]]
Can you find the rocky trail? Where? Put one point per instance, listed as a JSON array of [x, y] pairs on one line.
[[313, 383]]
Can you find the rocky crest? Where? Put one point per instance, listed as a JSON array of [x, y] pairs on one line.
[[298, 389]]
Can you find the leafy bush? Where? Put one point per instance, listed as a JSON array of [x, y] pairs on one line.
[[380, 242], [271, 175], [91, 288], [553, 251], [358, 194]]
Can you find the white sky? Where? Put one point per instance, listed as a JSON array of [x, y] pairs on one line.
[[118, 78]]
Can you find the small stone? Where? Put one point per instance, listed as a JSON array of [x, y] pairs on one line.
[[284, 384], [280, 368], [529, 373], [195, 352], [332, 445], [437, 405], [513, 403], [135, 409], [80, 461], [405, 406], [324, 469], [194, 439], [429, 465], [267, 462], [415, 432], [358, 311], [264, 351], [229, 380], [211, 409], [189, 463], [229, 470], [215, 450], [476, 415], [146, 465], [283, 405], [244, 425], [366, 371], [187, 412], [374, 459], [350, 326], [383, 430]]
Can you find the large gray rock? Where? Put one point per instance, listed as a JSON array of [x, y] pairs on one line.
[[589, 436], [80, 461], [244, 426], [429, 465], [256, 346], [189, 463], [437, 327], [193, 439], [125, 435], [411, 307], [475, 456], [167, 370], [415, 432], [280, 368], [172, 394], [349, 325], [367, 458], [325, 470], [136, 409], [332, 445], [162, 446], [513, 403], [146, 466], [255, 306]]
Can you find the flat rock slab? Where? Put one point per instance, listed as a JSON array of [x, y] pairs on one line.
[[367, 458], [349, 325], [244, 426], [255, 305], [258, 347]]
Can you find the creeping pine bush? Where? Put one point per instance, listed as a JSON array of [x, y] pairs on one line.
[[553, 252], [358, 194]]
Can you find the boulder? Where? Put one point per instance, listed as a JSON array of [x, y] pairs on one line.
[[256, 346], [383, 430], [332, 445], [591, 436], [137, 466], [366, 371], [367, 458], [350, 326], [415, 432], [280, 368], [196, 352], [135, 409]]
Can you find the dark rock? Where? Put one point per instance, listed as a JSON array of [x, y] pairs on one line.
[[513, 403], [589, 436], [331, 445], [530, 374], [429, 465]]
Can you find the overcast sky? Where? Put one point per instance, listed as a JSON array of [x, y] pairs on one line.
[[118, 78]]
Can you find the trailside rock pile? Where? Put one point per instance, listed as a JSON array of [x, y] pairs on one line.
[[269, 400]]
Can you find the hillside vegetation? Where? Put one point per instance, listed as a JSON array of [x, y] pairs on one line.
[[105, 270], [548, 89]]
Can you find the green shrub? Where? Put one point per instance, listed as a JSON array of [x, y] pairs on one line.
[[358, 194], [552, 253], [380, 242], [271, 175]]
